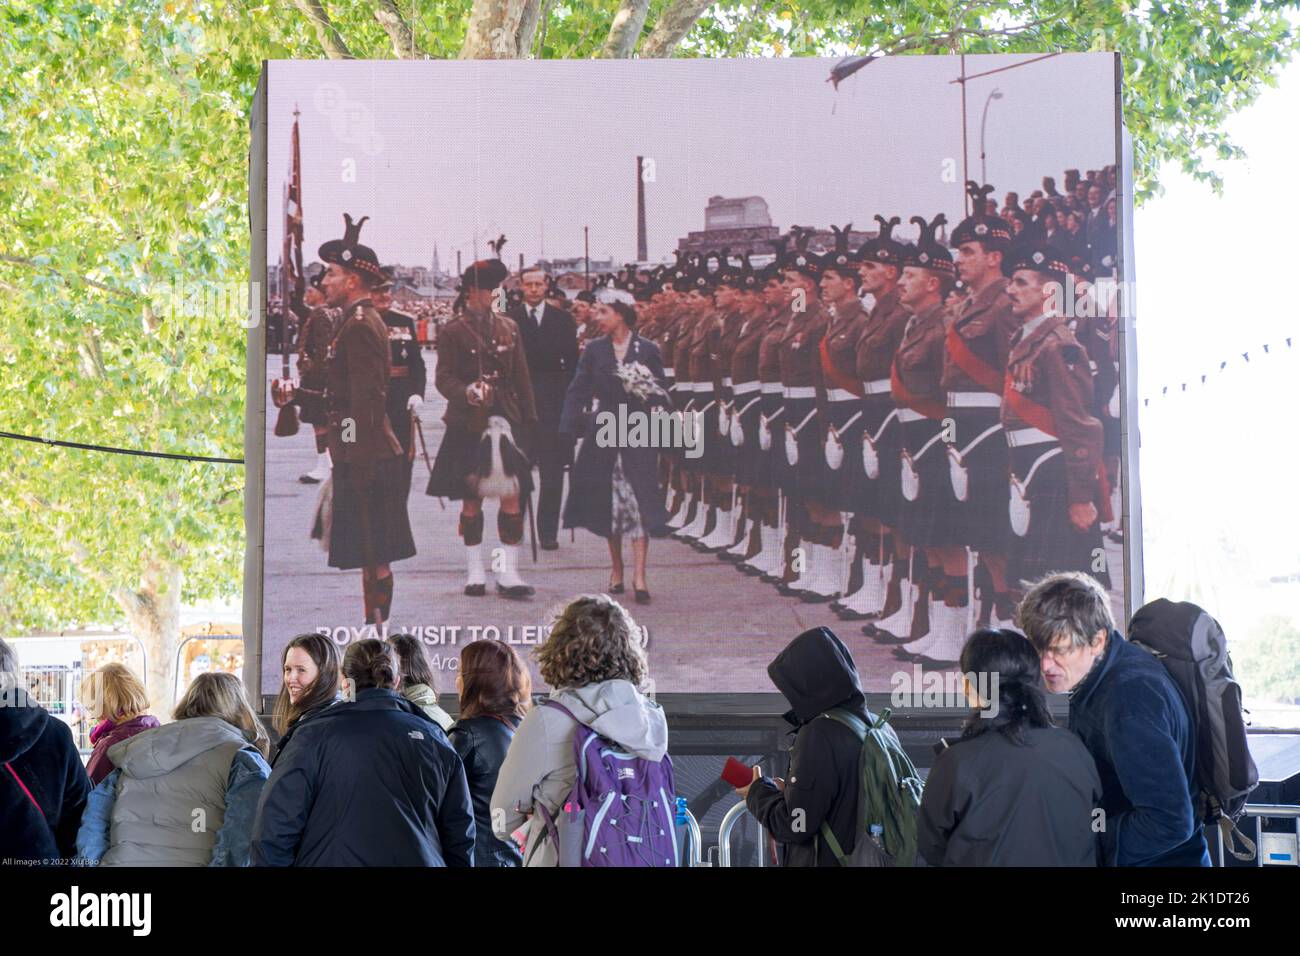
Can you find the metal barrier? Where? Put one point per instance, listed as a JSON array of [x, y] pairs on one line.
[[1271, 848], [728, 824], [694, 840]]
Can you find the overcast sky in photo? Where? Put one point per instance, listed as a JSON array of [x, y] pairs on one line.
[[454, 151]]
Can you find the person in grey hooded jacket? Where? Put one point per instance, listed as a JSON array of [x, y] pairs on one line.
[[594, 663], [185, 793]]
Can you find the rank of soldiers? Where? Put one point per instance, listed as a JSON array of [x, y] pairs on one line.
[[906, 431]]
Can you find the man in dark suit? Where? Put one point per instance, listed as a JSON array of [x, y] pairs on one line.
[[551, 346]]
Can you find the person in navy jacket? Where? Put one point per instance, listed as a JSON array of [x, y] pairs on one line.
[[1132, 719], [614, 488], [368, 782]]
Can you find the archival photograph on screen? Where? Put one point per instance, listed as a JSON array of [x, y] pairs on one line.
[[751, 346]]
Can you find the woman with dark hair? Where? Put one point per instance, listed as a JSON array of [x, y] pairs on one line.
[[368, 782], [614, 487], [494, 688], [418, 683], [595, 666], [310, 670], [1014, 790]]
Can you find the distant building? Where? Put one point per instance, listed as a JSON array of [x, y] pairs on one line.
[[744, 226]]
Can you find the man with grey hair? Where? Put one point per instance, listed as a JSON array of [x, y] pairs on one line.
[[1131, 716]]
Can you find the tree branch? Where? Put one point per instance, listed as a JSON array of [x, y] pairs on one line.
[[626, 29], [16, 260], [532, 15], [330, 39], [672, 26], [493, 30], [390, 18]]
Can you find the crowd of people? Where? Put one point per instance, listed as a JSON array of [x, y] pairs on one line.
[[368, 771]]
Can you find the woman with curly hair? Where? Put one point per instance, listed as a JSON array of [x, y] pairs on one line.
[[595, 667]]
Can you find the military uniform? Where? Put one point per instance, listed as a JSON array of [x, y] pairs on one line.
[[313, 348], [407, 376], [370, 525], [474, 348], [1056, 447]]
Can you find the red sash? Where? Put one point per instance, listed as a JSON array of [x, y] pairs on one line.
[[833, 377], [1040, 416], [929, 407], [979, 371]]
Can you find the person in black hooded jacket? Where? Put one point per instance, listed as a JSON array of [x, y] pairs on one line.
[[369, 782], [1014, 789], [815, 672], [43, 785]]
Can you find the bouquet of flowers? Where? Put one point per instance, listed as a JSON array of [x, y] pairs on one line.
[[639, 381]]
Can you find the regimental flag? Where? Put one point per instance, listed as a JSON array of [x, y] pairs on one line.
[[292, 279]]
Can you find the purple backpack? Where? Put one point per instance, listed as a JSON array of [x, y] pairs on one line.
[[621, 809]]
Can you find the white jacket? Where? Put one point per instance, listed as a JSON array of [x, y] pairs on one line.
[[539, 766]]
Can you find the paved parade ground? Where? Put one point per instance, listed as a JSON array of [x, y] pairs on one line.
[[710, 628]]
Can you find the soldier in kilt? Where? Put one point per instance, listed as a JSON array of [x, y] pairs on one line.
[[313, 346], [875, 499], [1059, 490], [927, 513], [813, 572], [483, 374], [975, 361], [369, 527]]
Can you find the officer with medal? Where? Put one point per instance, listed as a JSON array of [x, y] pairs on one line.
[[975, 360], [815, 528], [482, 371], [408, 373], [313, 347], [875, 502], [935, 622], [369, 527], [1058, 482]]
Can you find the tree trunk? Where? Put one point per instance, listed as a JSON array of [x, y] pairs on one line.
[[625, 31], [493, 30], [330, 39], [528, 22], [153, 611], [672, 26]]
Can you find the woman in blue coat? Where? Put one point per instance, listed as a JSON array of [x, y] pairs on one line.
[[614, 489]]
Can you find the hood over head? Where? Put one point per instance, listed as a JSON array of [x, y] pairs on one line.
[[815, 672], [22, 721]]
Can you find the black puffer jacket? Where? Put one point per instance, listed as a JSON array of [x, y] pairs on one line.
[[373, 782], [43, 785], [815, 672], [990, 801], [482, 743]]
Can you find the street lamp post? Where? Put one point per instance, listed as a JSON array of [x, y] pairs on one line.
[[995, 95]]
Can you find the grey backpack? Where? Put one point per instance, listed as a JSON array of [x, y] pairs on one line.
[[1194, 651]]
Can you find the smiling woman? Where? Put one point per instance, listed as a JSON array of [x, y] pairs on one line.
[[311, 683]]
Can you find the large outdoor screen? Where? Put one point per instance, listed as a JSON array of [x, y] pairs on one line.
[[895, 464]]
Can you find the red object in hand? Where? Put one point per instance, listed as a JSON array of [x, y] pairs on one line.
[[737, 774]]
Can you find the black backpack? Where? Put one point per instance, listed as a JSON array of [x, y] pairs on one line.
[[1191, 646]]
